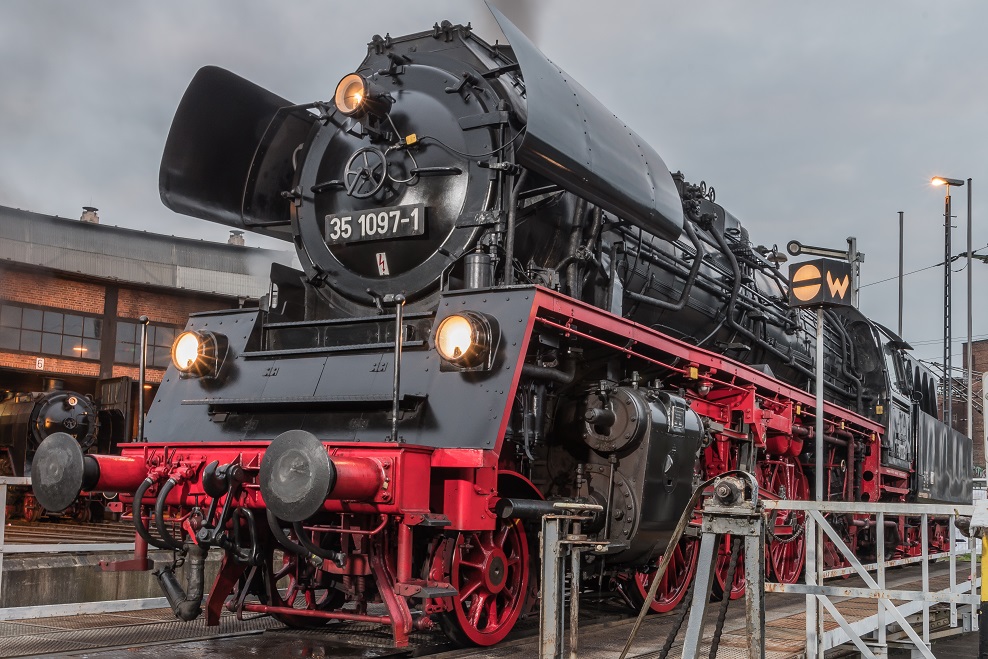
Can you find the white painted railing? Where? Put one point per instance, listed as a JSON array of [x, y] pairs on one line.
[[963, 597]]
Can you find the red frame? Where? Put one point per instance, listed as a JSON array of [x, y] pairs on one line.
[[423, 483]]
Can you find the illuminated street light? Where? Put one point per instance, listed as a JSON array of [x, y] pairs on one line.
[[947, 330]]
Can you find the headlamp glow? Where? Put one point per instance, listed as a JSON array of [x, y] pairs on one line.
[[350, 92], [467, 341], [198, 353], [356, 96], [185, 351]]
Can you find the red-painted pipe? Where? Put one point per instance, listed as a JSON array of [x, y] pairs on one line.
[[117, 473], [357, 479], [404, 553]]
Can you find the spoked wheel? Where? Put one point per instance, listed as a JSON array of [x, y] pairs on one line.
[[720, 574], [675, 582], [291, 582], [82, 513], [786, 544], [490, 571], [31, 510]]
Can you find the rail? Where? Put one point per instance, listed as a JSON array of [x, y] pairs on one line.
[[870, 635], [55, 610]]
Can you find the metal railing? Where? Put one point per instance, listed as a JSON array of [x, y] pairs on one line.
[[54, 610], [870, 634]]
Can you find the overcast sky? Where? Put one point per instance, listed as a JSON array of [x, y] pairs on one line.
[[814, 121]]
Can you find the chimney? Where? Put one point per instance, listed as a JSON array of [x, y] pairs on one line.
[[89, 215], [236, 238]]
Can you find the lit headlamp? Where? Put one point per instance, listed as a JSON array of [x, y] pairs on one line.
[[198, 353], [467, 341], [356, 96]]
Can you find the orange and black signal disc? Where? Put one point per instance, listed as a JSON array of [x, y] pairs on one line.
[[806, 283]]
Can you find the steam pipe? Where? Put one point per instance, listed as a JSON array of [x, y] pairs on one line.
[[736, 326], [282, 538], [554, 374], [598, 220], [509, 240], [847, 348], [574, 246], [159, 515], [138, 507], [286, 542], [186, 607], [705, 283], [684, 295], [337, 557]]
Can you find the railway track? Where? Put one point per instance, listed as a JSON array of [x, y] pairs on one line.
[[54, 533]]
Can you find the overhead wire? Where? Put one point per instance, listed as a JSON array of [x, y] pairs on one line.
[[929, 267]]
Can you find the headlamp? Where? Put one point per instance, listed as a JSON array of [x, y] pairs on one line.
[[356, 96], [467, 341], [198, 353]]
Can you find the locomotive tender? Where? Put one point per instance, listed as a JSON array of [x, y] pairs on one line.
[[506, 297]]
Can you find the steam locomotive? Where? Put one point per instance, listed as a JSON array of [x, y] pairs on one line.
[[26, 420], [506, 298]]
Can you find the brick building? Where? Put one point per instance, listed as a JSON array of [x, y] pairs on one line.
[[71, 293], [979, 354]]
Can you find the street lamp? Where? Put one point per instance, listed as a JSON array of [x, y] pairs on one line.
[[948, 380]]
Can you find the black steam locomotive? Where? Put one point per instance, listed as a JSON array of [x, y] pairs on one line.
[[26, 419], [506, 297]]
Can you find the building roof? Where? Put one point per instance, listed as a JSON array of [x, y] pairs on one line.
[[138, 257]]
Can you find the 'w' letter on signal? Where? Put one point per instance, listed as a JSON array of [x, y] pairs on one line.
[[838, 288]]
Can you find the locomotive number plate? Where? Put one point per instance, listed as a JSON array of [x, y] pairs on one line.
[[375, 224]]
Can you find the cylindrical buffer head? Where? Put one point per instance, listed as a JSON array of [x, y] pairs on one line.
[[59, 471], [296, 476]]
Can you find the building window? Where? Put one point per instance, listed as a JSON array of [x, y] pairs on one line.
[[160, 340], [49, 332]]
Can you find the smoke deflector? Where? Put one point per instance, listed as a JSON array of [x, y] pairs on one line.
[[574, 141]]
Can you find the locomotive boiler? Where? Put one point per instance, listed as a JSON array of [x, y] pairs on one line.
[[505, 298]]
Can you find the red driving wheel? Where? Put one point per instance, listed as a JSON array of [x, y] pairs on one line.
[[490, 571], [293, 583], [675, 583], [786, 544], [723, 561]]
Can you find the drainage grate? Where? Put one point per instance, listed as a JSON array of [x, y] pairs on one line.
[[107, 631], [18, 629]]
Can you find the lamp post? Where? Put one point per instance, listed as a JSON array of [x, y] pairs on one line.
[[900, 272], [948, 391], [970, 339]]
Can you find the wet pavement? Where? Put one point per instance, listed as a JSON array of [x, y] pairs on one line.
[[604, 628]]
